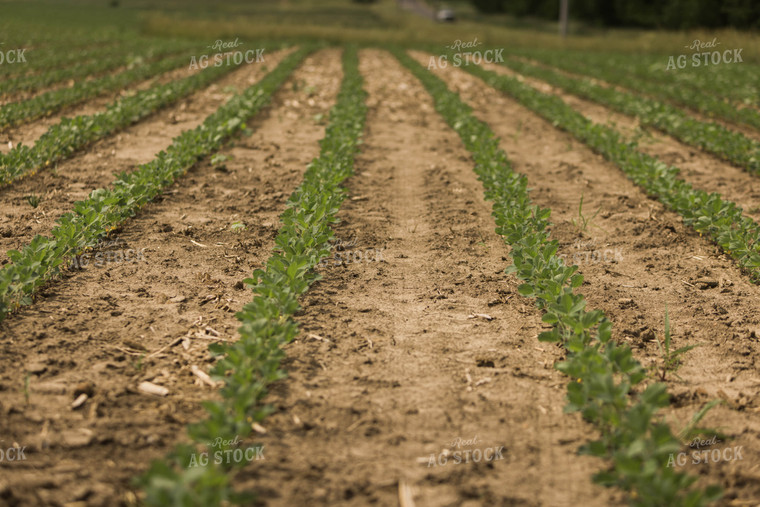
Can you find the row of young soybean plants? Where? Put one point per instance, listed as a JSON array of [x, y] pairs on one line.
[[15, 113], [727, 144], [91, 63], [106, 208], [708, 213], [249, 365], [735, 81], [41, 54], [702, 100], [607, 385], [72, 134]]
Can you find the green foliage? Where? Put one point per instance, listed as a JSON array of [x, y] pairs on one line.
[[709, 214], [606, 381], [89, 62], [33, 200], [71, 134], [15, 112], [705, 90], [248, 365], [219, 159], [583, 222], [713, 137], [104, 209], [671, 359], [672, 14]]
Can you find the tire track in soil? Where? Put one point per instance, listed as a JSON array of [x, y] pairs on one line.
[[378, 376], [660, 262], [96, 167], [700, 168], [98, 325]]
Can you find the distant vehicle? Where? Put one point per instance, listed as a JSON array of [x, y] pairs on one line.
[[445, 16]]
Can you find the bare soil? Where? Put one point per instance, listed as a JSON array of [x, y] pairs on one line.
[[106, 328], [639, 259], [416, 354]]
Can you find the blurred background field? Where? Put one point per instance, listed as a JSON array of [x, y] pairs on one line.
[[29, 23]]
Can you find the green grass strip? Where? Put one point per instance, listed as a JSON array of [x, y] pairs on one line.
[[247, 366], [104, 209], [71, 134], [727, 144], [606, 381], [707, 213]]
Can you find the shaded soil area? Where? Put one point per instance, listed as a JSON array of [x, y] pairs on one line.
[[115, 323]]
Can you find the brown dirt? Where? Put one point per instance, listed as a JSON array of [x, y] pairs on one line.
[[660, 262], [73, 179], [393, 363], [701, 169], [391, 368], [123, 323]]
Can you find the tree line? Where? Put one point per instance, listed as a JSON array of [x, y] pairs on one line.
[[671, 14]]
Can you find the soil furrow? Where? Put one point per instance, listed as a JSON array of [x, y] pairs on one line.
[[116, 322], [637, 259], [398, 360]]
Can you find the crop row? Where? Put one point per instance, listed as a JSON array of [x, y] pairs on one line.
[[17, 112], [105, 209], [705, 102], [735, 82], [710, 136], [44, 55], [71, 134], [86, 66], [38, 60], [606, 381], [707, 213], [249, 365]]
